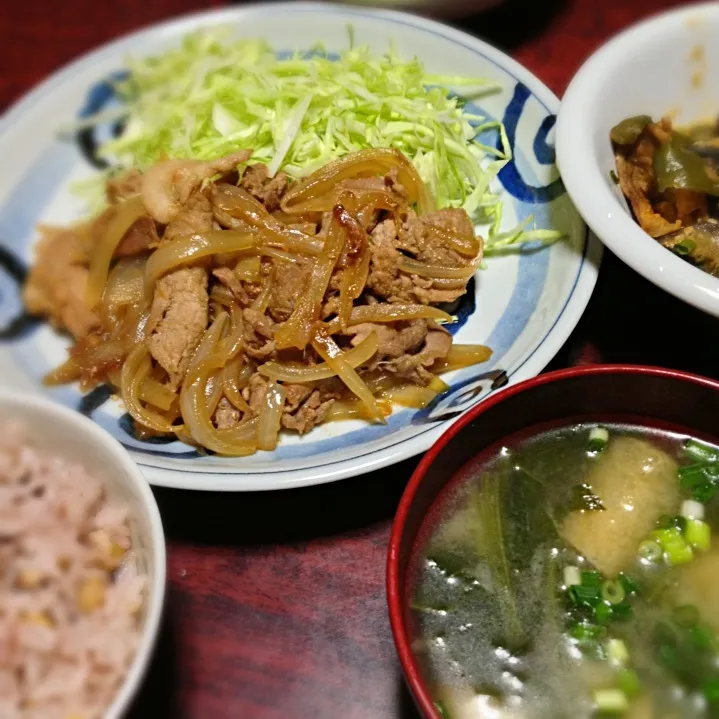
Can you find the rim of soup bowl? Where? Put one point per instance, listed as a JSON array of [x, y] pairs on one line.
[[395, 582]]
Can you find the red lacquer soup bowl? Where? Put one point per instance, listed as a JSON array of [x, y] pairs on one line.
[[646, 396]]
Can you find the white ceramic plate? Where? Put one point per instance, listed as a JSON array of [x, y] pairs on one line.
[[524, 307], [662, 65]]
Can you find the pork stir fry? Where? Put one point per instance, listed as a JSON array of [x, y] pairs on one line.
[[224, 305], [671, 181]]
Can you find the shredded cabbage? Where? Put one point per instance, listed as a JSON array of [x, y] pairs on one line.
[[215, 94]]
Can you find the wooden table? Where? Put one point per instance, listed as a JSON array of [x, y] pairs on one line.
[[276, 605]]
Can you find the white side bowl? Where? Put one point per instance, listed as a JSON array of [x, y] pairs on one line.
[[72, 436], [660, 66]]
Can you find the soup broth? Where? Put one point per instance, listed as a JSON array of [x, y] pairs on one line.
[[573, 573]]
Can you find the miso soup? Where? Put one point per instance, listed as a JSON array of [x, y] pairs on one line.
[[573, 573]]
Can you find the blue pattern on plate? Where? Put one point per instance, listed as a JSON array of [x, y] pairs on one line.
[[509, 176], [98, 98], [471, 385]]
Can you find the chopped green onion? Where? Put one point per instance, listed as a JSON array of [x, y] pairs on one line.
[[613, 701], [650, 550], [705, 491], [572, 576], [629, 683], [583, 596], [603, 613], [613, 591], [698, 534], [586, 632], [592, 579], [691, 509], [677, 551], [622, 612], [701, 478], [710, 690], [702, 636], [687, 615], [684, 247], [629, 584], [617, 651], [442, 710], [614, 176], [664, 536], [700, 451], [598, 438]]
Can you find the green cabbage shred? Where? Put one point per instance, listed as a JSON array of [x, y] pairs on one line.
[[214, 94]]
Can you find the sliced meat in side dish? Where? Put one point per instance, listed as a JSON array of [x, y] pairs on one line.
[[259, 335], [180, 306], [414, 367], [268, 190], [180, 309], [416, 237], [141, 237], [57, 281], [230, 280], [387, 281], [394, 339], [289, 284], [254, 393], [168, 185], [311, 413], [196, 216], [296, 395], [226, 416], [126, 185]]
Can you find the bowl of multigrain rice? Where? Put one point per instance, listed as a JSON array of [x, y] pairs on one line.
[[82, 566]]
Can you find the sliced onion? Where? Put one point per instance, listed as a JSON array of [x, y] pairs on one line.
[[467, 246], [296, 331], [355, 409], [438, 385], [445, 285], [184, 250], [365, 163], [223, 296], [68, 371], [268, 426], [248, 269], [124, 287], [135, 371], [198, 418], [263, 298], [231, 344], [124, 217], [298, 373], [243, 432], [232, 383], [238, 203], [151, 391], [279, 254], [410, 395], [389, 313], [462, 356], [327, 348], [407, 264], [356, 264]]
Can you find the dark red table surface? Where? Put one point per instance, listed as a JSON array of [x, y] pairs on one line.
[[276, 604]]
